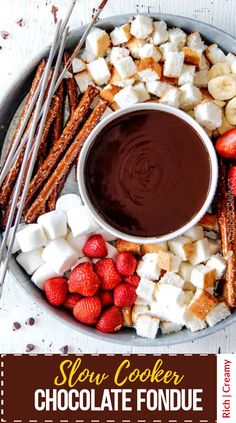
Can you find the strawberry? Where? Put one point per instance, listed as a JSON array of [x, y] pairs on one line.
[[71, 300], [106, 298], [124, 295], [126, 263], [95, 247], [88, 310], [232, 179], [132, 280], [111, 320], [106, 271], [226, 144], [83, 280], [56, 290]]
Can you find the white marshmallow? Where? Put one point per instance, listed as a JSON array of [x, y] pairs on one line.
[[181, 247], [99, 71], [78, 65], [218, 313], [160, 34], [173, 64], [208, 114], [201, 252], [82, 260], [77, 242], [190, 97], [201, 79], [80, 221], [158, 88], [147, 326], [67, 202], [42, 274], [172, 97], [126, 97], [112, 251], [118, 53], [172, 278], [142, 92], [148, 267], [177, 37], [145, 290], [203, 276], [83, 80], [149, 50], [218, 263], [97, 42], [195, 233], [141, 26], [31, 237], [170, 327], [187, 75], [16, 246], [185, 271], [54, 224], [30, 261], [125, 67], [120, 34], [59, 255]]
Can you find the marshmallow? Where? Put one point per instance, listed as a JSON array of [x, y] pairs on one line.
[[99, 71], [173, 64], [83, 80], [97, 42], [77, 242], [160, 34], [190, 97], [145, 290], [177, 37], [80, 261], [126, 97], [80, 221], [170, 327], [111, 251], [208, 114], [31, 237], [141, 26], [218, 313], [78, 65], [30, 261], [54, 224], [147, 326], [181, 247], [218, 263], [120, 34], [195, 233], [125, 67], [42, 274], [172, 279], [16, 246], [67, 202], [118, 53], [59, 255]]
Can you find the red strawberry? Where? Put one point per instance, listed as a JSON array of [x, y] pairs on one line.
[[111, 320], [71, 300], [106, 298], [106, 271], [88, 310], [232, 179], [56, 290], [132, 280], [124, 295], [126, 263], [95, 247], [226, 145], [83, 280]]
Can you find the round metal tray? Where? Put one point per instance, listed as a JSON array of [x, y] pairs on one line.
[[8, 108]]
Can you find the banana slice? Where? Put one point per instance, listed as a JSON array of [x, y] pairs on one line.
[[219, 69], [230, 111], [225, 125], [223, 87], [220, 103]]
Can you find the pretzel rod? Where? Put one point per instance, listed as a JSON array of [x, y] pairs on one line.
[[71, 87], [58, 149], [66, 163], [58, 122]]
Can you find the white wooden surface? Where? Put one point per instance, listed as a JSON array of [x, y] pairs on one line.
[[17, 51]]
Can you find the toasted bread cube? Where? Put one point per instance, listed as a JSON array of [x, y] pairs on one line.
[[78, 65], [141, 90], [157, 311], [125, 67], [118, 81], [218, 263], [168, 261], [208, 114], [133, 247], [201, 304], [214, 54], [118, 53], [170, 327], [149, 70], [187, 75], [97, 42], [99, 71], [126, 97], [88, 56], [181, 247], [173, 64], [172, 97], [190, 97], [204, 63], [192, 56], [195, 42], [178, 37], [168, 295], [149, 50], [147, 326], [201, 79], [188, 286], [148, 267], [127, 316], [142, 26], [83, 80], [168, 48], [172, 279], [203, 276], [193, 323], [109, 92], [134, 45], [120, 34], [185, 271], [209, 222], [215, 246], [188, 296], [201, 253], [195, 233], [154, 248], [158, 88], [160, 34], [218, 313], [139, 309], [145, 289]]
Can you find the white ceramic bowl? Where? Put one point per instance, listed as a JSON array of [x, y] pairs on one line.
[[159, 107]]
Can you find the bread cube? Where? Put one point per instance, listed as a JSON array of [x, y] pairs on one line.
[[201, 304], [172, 279], [154, 248], [125, 67], [160, 34], [192, 56], [201, 252], [134, 45], [145, 289], [157, 311], [178, 37], [168, 262], [209, 222], [218, 263], [208, 114], [99, 71], [188, 296], [170, 327], [148, 70], [117, 81], [118, 53], [140, 301], [173, 64], [168, 48], [193, 323], [203, 276], [187, 75], [158, 88], [87, 56], [195, 233], [190, 97], [218, 313], [147, 326], [148, 267], [120, 34], [83, 80], [215, 246], [166, 296], [139, 309], [201, 79], [126, 97], [185, 271], [195, 42], [97, 42], [142, 26], [109, 92], [149, 50], [171, 97], [181, 247], [123, 245], [214, 54], [78, 65], [141, 90]]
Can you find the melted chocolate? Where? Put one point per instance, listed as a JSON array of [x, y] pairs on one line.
[[147, 173]]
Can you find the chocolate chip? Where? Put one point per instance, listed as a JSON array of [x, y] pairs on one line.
[[4, 34], [64, 350], [16, 326], [29, 347], [30, 321], [20, 22]]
